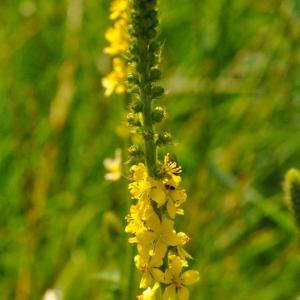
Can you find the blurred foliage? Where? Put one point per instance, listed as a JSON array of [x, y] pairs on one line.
[[232, 73]]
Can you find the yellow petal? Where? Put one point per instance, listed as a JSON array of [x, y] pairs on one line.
[[178, 196], [171, 209], [149, 293], [158, 274], [158, 195], [167, 226], [168, 276], [182, 253], [190, 277], [172, 239], [154, 222], [176, 265], [156, 261], [183, 293], [170, 293], [145, 237], [146, 280], [160, 249]]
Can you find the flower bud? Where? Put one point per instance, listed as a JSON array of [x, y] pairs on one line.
[[154, 46], [164, 138], [158, 114], [135, 151], [133, 78], [157, 91], [137, 106], [133, 119], [151, 33], [155, 74]]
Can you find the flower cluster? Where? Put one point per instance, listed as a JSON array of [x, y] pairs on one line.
[[155, 187], [161, 255], [117, 36]]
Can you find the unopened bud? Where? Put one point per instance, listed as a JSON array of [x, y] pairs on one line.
[[137, 106], [164, 138], [158, 114], [157, 91], [133, 119], [155, 74], [135, 151]]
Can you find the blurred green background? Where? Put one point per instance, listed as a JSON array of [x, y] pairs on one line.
[[231, 69]]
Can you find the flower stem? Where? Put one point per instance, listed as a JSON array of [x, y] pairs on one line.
[[150, 147]]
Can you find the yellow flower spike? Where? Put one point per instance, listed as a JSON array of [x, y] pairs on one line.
[[177, 281], [155, 184]]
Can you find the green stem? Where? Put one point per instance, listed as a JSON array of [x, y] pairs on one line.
[[150, 147]]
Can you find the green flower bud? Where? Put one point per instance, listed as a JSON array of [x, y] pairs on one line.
[[133, 119], [135, 151], [134, 89], [164, 138], [151, 33], [133, 78], [154, 46], [137, 106], [158, 114], [157, 91], [155, 74]]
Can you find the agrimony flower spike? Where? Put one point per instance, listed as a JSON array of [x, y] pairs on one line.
[[155, 187], [292, 192]]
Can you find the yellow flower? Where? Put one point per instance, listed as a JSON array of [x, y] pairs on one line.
[[177, 281], [140, 186], [119, 8], [184, 239], [117, 38], [172, 170], [134, 219], [149, 293], [162, 235], [113, 166], [174, 199], [149, 266], [158, 236], [146, 188], [170, 166]]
